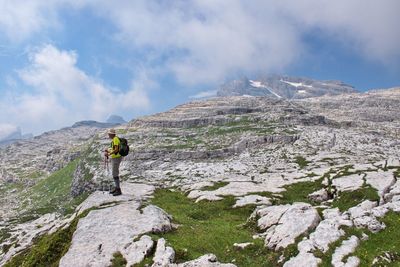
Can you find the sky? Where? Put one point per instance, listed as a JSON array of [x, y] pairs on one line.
[[63, 61]]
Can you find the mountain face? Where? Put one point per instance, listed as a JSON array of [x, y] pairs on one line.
[[115, 119], [13, 137], [94, 124], [285, 87], [310, 175]]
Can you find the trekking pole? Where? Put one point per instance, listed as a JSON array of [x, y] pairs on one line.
[[106, 166]]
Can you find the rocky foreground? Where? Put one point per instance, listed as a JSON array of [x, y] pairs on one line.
[[320, 176]]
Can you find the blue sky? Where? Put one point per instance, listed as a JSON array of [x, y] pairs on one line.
[[63, 61]]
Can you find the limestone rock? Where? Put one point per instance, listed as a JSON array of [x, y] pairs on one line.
[[209, 260], [363, 216], [394, 190], [252, 199], [130, 192], [303, 259], [164, 256], [105, 231], [328, 231], [348, 183], [295, 220], [348, 246], [242, 245], [25, 233], [381, 181], [319, 196], [137, 251], [270, 216]]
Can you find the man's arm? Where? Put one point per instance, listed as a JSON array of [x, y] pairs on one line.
[[114, 150]]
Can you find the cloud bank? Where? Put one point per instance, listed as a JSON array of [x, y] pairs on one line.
[[63, 94], [206, 40]]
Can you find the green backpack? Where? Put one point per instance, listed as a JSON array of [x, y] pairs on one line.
[[123, 147]]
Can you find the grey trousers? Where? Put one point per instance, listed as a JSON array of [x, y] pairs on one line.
[[115, 162]]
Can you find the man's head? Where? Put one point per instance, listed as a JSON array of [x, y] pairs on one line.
[[111, 133]]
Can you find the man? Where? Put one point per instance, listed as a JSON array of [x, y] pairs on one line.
[[113, 152]]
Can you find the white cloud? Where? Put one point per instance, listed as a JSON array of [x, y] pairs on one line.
[[205, 40], [367, 26], [63, 94], [21, 19]]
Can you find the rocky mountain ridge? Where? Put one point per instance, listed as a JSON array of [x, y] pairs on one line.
[[286, 87], [343, 151]]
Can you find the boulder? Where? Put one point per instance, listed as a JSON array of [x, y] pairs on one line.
[[303, 259], [296, 219], [252, 200], [106, 231], [319, 196], [362, 216], [348, 183], [164, 256]]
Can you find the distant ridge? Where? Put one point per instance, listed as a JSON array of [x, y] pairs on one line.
[[286, 87]]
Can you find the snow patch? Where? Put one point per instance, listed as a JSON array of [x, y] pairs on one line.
[[258, 84], [297, 84]]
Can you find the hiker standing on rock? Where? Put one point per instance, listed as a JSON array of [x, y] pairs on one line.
[[116, 158]]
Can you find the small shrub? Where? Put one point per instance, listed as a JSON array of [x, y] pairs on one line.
[[118, 260]]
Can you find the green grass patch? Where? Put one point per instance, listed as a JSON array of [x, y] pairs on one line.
[[348, 199], [118, 260], [385, 241], [302, 162], [51, 194], [47, 250], [214, 187], [212, 227], [299, 192]]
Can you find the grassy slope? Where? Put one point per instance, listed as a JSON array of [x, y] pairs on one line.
[[47, 250], [211, 227], [50, 195]]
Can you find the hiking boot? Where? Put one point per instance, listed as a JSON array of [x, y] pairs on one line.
[[113, 191], [117, 192]]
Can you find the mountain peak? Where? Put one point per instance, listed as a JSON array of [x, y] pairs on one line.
[[287, 87], [115, 119]]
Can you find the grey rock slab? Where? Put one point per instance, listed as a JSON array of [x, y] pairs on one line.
[[381, 181], [348, 183], [363, 216], [208, 260], [328, 231], [196, 186], [270, 215], [105, 231], [303, 259], [136, 252], [393, 162], [348, 246], [233, 188], [130, 192], [252, 199], [319, 196], [242, 245], [394, 190], [298, 219], [164, 255]]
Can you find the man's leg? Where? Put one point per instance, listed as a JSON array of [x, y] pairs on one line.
[[115, 173]]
